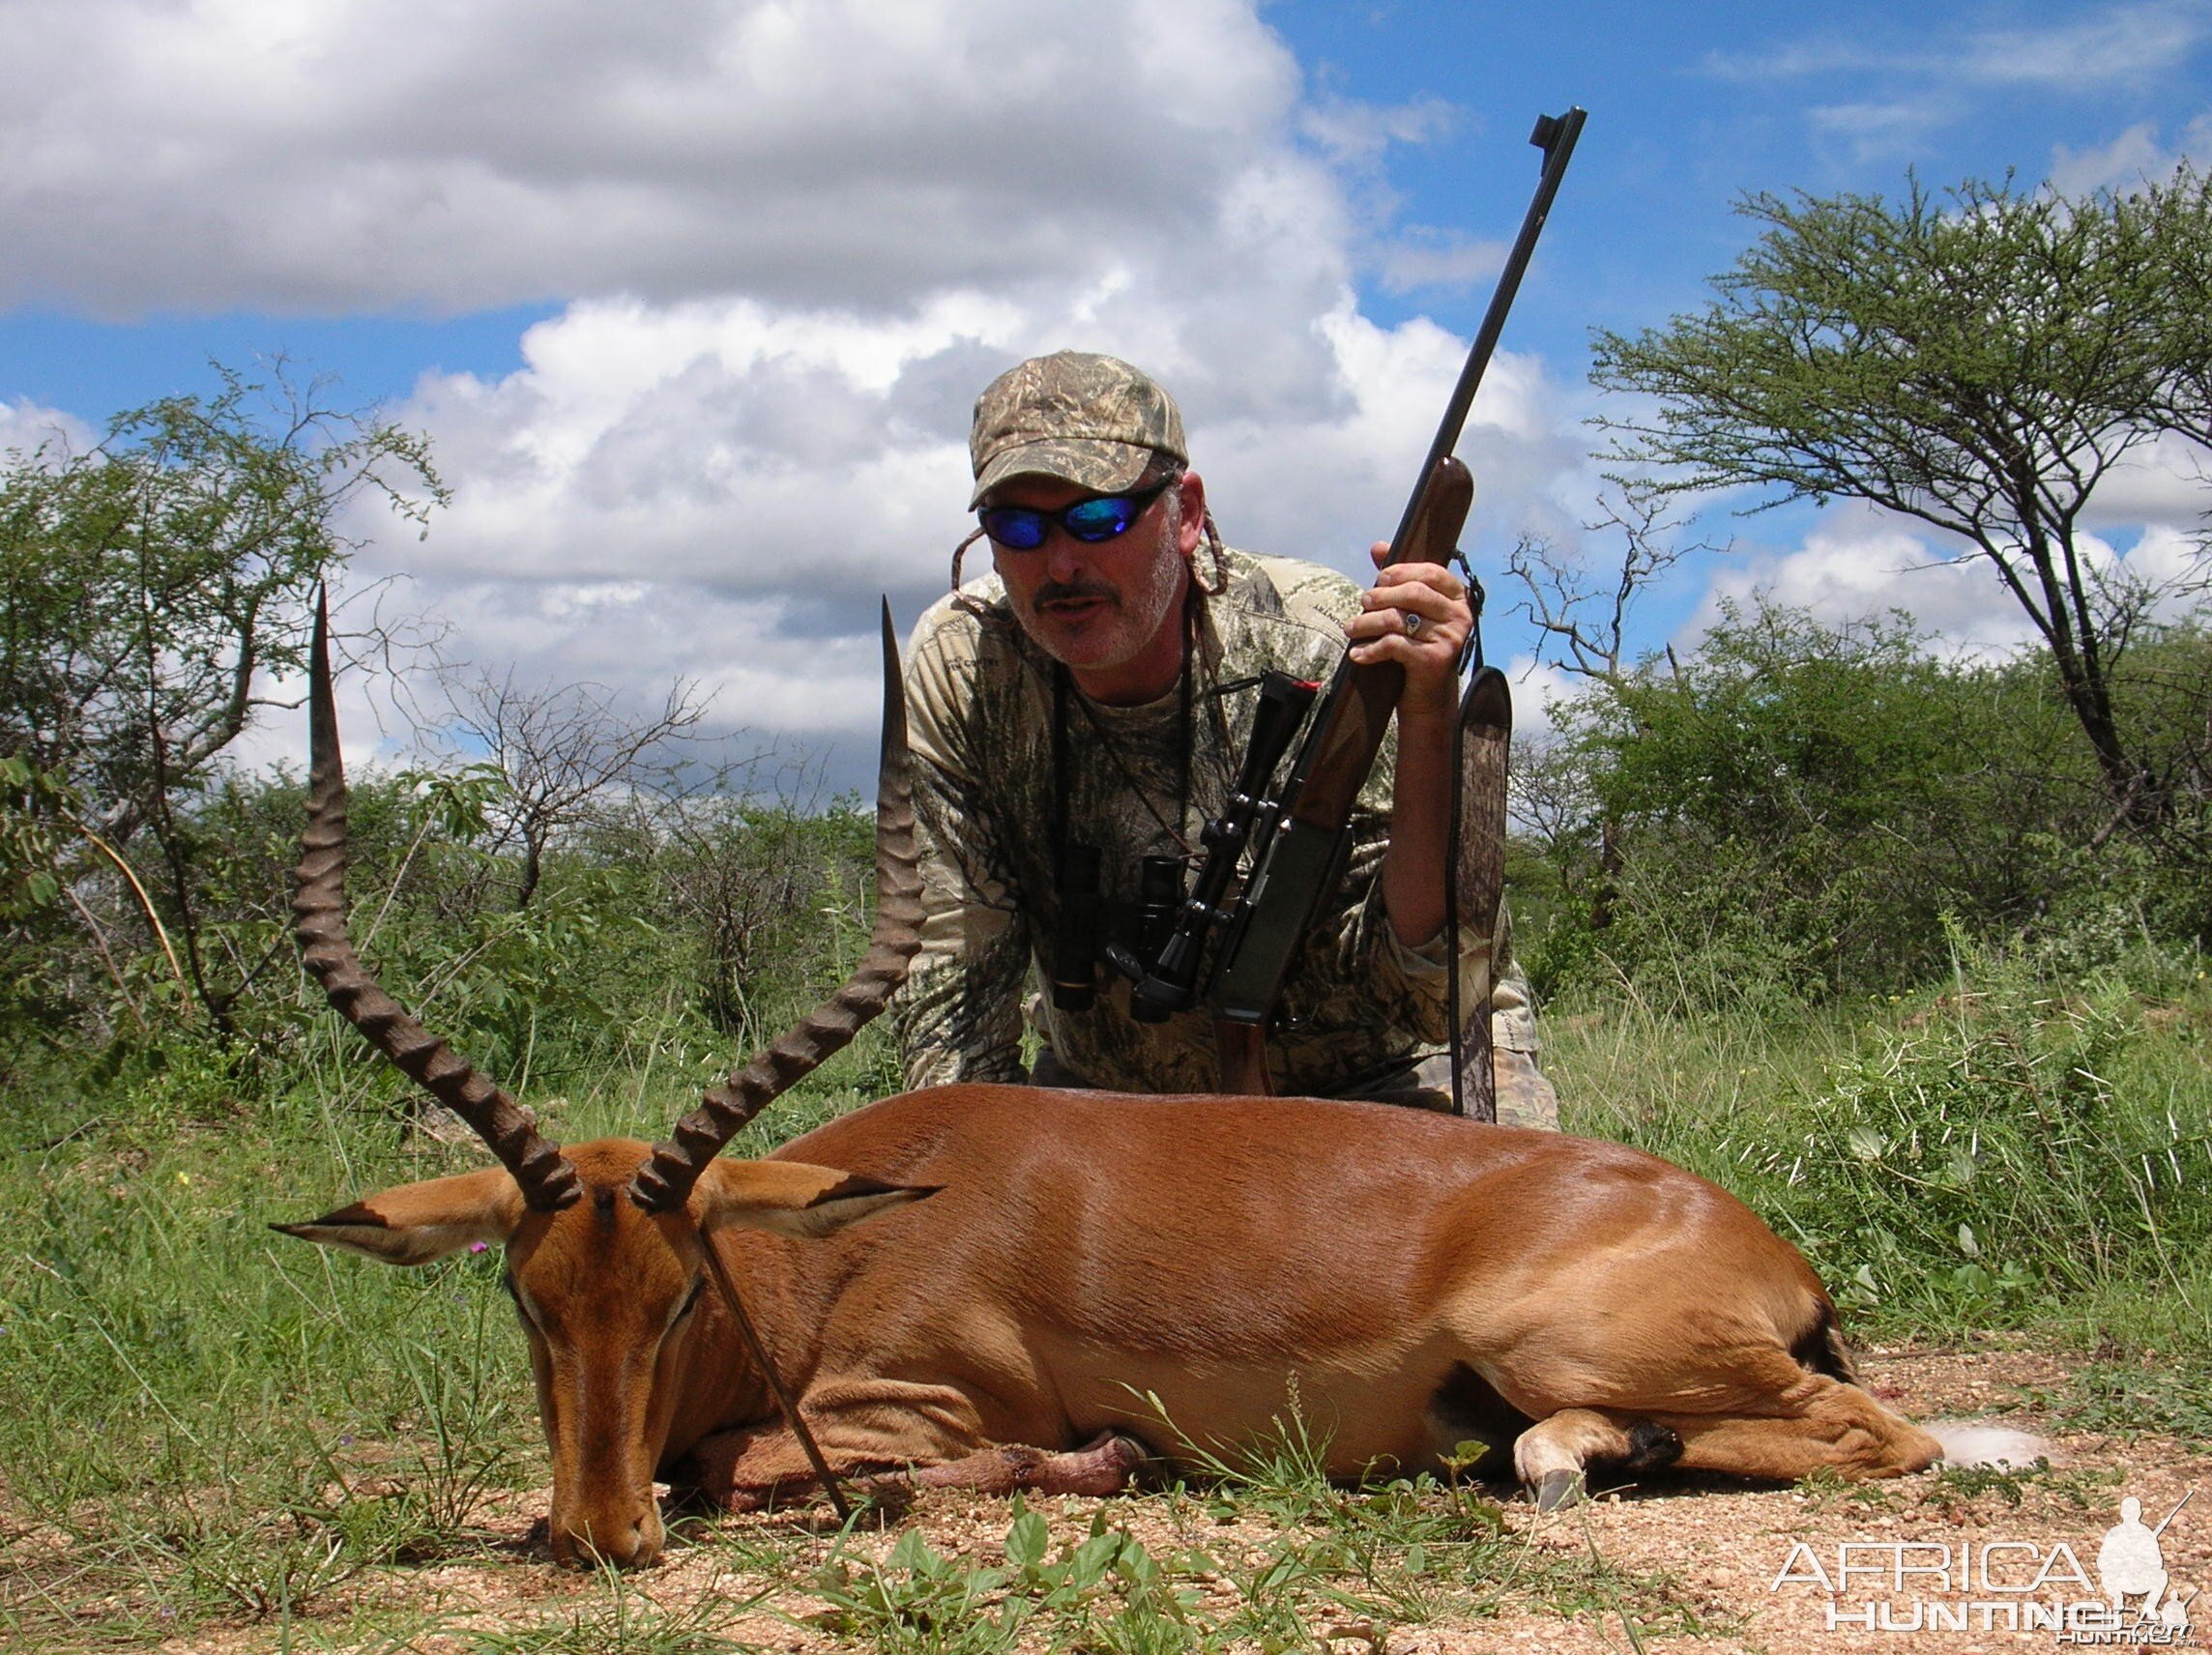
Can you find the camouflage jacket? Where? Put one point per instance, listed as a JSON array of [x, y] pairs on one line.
[[1359, 1006]]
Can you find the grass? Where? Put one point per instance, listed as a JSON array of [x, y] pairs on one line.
[[1375, 1561], [209, 1422], [2006, 1155], [209, 1425]]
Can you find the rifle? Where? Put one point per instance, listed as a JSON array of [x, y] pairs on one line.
[[1299, 837]]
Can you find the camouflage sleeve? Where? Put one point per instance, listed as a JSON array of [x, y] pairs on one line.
[[1417, 976], [958, 1017], [1367, 949]]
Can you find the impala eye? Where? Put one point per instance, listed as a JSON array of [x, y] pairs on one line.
[[692, 1299]]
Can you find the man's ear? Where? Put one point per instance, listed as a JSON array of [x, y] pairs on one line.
[[416, 1223], [1191, 533], [790, 1198]]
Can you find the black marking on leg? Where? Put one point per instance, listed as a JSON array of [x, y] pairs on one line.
[[1651, 1445], [1820, 1349]]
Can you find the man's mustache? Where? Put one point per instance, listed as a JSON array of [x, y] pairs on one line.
[[1073, 591]]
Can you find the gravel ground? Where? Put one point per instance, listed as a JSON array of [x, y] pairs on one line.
[[1698, 1561]]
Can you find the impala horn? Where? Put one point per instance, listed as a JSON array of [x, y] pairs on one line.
[[664, 1181], [318, 923]]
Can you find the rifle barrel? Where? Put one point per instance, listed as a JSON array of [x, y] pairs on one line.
[[1555, 136]]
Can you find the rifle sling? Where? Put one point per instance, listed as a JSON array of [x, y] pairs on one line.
[[1475, 881]]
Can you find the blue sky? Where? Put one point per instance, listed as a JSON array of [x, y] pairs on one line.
[[692, 298]]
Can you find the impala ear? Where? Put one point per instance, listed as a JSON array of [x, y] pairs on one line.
[[416, 1223], [790, 1198]]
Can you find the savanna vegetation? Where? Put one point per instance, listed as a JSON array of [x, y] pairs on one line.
[[1908, 950]]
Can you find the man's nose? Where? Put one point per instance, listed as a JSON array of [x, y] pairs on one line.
[[1064, 556]]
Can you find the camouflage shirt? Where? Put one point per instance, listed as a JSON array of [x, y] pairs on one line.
[[993, 799]]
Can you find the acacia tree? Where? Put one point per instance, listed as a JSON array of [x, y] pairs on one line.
[[2177, 215], [148, 586], [1981, 364]]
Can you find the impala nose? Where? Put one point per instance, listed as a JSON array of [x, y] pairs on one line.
[[616, 1543]]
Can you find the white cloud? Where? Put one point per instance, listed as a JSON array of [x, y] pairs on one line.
[[2172, 563], [2130, 160], [1539, 686], [1422, 256], [26, 429], [1858, 562], [245, 153], [1353, 133], [792, 242], [1886, 128], [722, 490], [2118, 44], [2168, 481], [367, 733], [2108, 47]]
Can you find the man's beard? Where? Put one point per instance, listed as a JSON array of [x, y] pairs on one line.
[[1137, 613]]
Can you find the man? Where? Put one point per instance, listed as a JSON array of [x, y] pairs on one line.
[[1087, 709]]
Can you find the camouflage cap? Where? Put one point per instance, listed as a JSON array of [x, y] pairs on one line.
[[1092, 421]]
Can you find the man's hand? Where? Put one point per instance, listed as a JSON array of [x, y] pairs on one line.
[[1417, 615]]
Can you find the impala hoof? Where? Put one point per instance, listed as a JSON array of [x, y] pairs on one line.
[[1556, 1489]]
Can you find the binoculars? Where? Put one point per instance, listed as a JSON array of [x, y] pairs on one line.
[[1087, 934]]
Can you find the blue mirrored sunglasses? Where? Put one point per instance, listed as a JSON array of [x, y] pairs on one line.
[[1103, 517]]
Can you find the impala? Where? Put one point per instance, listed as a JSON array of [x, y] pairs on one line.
[[995, 1286]]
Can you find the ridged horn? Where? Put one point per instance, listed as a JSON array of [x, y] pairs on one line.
[[663, 1182], [318, 923]]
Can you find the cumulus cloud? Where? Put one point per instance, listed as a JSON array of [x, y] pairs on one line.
[[720, 490], [26, 429], [789, 243], [2168, 481], [2130, 160], [1859, 562], [248, 153]]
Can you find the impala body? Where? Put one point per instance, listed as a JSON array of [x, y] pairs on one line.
[[995, 1286], [1419, 1280]]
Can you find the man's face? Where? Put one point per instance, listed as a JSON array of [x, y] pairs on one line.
[[1111, 611]]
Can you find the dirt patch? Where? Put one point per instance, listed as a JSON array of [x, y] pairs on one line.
[[1691, 1565]]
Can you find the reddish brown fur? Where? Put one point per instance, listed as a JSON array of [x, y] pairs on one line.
[[1086, 1250]]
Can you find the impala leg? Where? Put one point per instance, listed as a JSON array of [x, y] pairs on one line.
[[1106, 1465], [1819, 1424], [1550, 1456], [746, 1470], [1833, 1426]]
